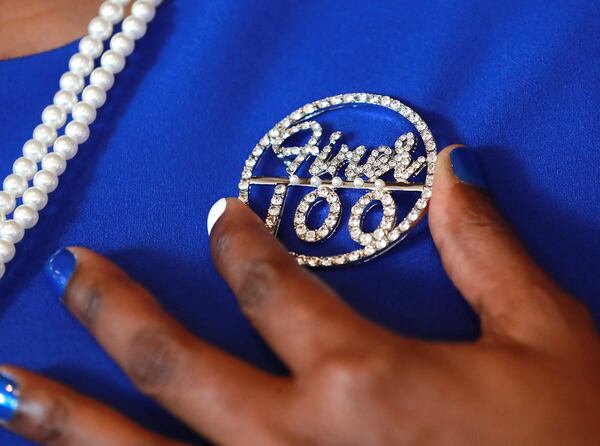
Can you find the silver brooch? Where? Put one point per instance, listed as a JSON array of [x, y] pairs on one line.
[[327, 171]]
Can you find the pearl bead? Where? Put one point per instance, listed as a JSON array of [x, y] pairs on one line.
[[7, 251], [315, 181], [65, 100], [134, 28], [122, 44], [143, 10], [55, 163], [84, 112], [15, 184], [102, 78], [71, 82], [111, 11], [78, 131], [26, 216], [12, 231], [36, 198], [46, 180], [294, 179], [93, 95], [66, 147], [81, 64], [25, 167], [34, 150], [379, 184], [100, 28], [45, 134], [112, 61], [7, 202], [54, 116], [336, 182], [91, 47], [358, 182]]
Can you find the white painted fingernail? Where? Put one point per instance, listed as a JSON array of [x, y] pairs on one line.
[[215, 213]]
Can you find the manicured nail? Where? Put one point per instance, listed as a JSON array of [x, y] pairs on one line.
[[466, 167], [60, 268], [9, 398], [215, 213]]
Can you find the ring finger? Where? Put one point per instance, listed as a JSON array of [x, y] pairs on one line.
[[222, 397]]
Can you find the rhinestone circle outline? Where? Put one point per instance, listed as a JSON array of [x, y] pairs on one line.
[[321, 106]]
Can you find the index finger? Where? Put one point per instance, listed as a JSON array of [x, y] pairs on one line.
[[488, 263]]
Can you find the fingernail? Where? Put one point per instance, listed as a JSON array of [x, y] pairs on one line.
[[466, 167], [60, 268], [215, 213], [9, 398]]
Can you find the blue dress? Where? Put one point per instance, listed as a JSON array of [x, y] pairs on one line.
[[517, 79]]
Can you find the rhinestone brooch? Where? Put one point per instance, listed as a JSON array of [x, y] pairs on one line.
[[329, 170]]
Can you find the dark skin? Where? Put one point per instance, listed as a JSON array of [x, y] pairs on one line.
[[531, 379], [31, 26]]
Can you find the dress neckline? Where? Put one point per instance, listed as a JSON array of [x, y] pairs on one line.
[[41, 54]]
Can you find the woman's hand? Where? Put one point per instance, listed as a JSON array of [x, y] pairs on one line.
[[532, 379]]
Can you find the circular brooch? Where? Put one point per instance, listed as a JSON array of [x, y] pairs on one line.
[[307, 182]]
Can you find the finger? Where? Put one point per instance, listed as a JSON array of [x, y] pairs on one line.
[[299, 316], [213, 392], [49, 413], [485, 259]]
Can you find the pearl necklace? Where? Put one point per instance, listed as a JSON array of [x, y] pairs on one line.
[[41, 167]]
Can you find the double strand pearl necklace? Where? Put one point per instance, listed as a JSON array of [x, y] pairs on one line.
[[83, 91]]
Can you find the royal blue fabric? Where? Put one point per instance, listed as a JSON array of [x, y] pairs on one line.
[[516, 79]]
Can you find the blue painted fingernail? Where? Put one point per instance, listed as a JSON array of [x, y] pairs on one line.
[[466, 167], [60, 268], [9, 398]]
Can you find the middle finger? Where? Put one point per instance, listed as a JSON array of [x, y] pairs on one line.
[[299, 316]]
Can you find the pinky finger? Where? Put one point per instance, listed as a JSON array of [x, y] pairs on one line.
[[49, 413]]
